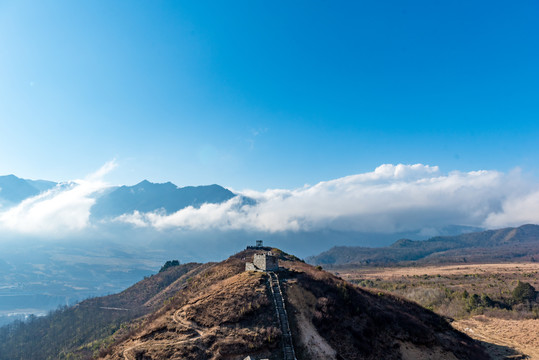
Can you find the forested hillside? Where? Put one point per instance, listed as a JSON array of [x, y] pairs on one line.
[[77, 332]]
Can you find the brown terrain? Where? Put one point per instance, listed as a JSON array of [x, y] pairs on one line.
[[444, 270], [504, 333], [223, 312], [521, 335]]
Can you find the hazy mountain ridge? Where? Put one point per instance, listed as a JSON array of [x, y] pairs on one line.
[[13, 189], [147, 197], [118, 200], [521, 243]]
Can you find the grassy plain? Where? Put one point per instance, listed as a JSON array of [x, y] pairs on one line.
[[478, 299]]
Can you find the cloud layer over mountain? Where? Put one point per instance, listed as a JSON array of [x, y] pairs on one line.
[[392, 198], [62, 210]]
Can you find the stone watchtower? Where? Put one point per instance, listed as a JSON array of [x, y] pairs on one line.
[[263, 262]]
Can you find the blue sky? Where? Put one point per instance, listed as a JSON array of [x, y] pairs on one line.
[[263, 95]]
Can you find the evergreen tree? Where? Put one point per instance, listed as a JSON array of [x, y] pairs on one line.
[[524, 292]]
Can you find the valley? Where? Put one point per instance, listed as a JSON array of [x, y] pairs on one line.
[[42, 277]]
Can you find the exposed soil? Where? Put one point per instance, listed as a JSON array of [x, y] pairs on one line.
[[309, 339]]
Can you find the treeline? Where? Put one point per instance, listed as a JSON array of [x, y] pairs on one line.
[[81, 331], [61, 334]]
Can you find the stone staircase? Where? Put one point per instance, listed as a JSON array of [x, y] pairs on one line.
[[278, 299]]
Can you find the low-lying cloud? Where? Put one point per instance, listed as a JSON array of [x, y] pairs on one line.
[[63, 210], [392, 198]]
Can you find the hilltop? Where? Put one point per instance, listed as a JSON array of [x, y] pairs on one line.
[[220, 311], [226, 313], [508, 244]]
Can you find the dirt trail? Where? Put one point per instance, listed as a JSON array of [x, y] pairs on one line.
[[177, 317], [129, 352], [522, 335], [126, 353]]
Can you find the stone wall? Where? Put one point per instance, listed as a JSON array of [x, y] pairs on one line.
[[262, 262], [265, 262], [272, 263]]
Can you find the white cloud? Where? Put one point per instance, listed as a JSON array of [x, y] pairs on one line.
[[60, 211], [516, 211], [102, 171], [391, 198]]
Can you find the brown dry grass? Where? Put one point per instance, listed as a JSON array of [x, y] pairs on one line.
[[500, 330], [225, 313], [522, 335], [244, 293], [445, 270], [222, 313]]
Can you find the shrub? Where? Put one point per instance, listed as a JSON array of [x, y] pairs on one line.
[[169, 264], [524, 292]]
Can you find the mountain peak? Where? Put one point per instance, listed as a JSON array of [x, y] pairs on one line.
[[14, 189], [144, 182], [148, 197]]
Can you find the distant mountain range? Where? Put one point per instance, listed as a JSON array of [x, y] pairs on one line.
[[146, 197], [509, 244], [115, 201], [13, 190]]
